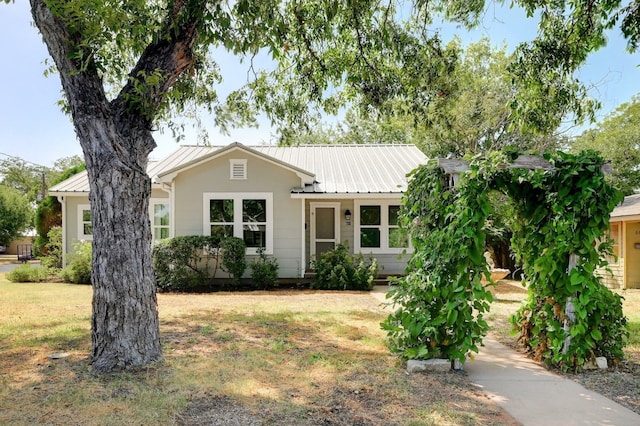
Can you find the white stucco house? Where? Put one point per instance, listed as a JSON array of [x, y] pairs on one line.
[[296, 202]]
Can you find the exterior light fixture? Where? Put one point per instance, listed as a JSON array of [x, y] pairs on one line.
[[347, 216]]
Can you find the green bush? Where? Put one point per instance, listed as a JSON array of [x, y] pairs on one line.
[[337, 269], [234, 260], [78, 269], [264, 271], [53, 249], [28, 274], [183, 263]]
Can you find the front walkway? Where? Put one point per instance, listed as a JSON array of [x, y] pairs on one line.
[[534, 395], [537, 396]]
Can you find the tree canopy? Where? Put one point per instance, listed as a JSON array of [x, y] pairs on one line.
[[617, 138], [31, 179], [15, 214], [474, 116]]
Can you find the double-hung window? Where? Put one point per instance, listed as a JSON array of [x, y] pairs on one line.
[[244, 215], [160, 216], [85, 228], [377, 229]]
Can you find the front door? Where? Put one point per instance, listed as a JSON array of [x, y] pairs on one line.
[[325, 228]]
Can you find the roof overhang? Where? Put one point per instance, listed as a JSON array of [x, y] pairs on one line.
[[347, 195]]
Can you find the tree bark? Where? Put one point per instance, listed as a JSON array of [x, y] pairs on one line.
[[125, 326], [116, 144]]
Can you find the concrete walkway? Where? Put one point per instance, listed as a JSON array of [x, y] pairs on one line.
[[533, 395], [536, 396]]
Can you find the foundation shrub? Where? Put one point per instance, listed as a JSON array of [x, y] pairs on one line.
[[338, 269]]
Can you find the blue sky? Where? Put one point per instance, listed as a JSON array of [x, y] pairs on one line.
[[32, 126]]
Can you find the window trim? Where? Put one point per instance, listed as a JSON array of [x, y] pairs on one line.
[[233, 163], [152, 203], [237, 198], [384, 227], [617, 241], [81, 235]]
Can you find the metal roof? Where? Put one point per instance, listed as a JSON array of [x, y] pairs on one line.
[[629, 207], [353, 168], [339, 169]]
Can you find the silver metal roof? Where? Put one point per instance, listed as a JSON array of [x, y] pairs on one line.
[[629, 207], [80, 182], [338, 169]]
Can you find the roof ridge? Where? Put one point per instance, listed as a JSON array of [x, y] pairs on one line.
[[354, 145]]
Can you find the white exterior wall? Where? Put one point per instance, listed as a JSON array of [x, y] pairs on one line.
[[72, 219], [388, 263], [262, 176], [71, 215]]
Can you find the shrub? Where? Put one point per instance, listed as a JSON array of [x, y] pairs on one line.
[[28, 274], [78, 269], [53, 249], [264, 271], [234, 260], [337, 269], [183, 262]]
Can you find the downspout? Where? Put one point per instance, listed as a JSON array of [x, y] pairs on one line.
[[63, 203], [303, 254]]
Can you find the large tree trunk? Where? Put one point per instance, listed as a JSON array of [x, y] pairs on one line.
[[116, 140], [125, 327]]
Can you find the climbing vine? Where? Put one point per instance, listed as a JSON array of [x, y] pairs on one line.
[[441, 301], [561, 213]]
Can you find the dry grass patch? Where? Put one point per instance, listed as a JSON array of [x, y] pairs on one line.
[[299, 358], [620, 383]]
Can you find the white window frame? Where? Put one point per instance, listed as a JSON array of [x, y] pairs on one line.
[[237, 198], [233, 166], [384, 228], [81, 223], [152, 203]]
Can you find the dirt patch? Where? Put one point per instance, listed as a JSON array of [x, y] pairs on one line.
[[217, 411]]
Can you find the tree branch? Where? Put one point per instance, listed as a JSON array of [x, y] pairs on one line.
[[163, 61], [78, 74]]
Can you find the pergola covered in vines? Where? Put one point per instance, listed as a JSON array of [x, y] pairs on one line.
[[561, 205]]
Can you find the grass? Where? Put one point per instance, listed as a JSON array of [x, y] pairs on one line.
[[285, 357]]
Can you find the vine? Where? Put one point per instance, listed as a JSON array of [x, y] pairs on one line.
[[441, 301]]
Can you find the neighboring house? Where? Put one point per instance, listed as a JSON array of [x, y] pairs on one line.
[[625, 232], [296, 202]]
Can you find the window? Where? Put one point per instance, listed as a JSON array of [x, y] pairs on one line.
[[248, 216], [614, 235], [377, 228], [85, 228], [159, 220], [397, 238], [238, 169]]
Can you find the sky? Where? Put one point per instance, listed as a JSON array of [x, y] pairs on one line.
[[33, 128]]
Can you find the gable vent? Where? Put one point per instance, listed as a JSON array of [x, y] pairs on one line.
[[238, 169]]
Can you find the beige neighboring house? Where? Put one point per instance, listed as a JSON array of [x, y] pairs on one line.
[[625, 231], [296, 202]]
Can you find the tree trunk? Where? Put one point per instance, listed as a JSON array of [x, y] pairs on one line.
[[125, 326], [116, 140]]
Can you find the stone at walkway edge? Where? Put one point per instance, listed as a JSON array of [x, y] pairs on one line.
[[416, 366]]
